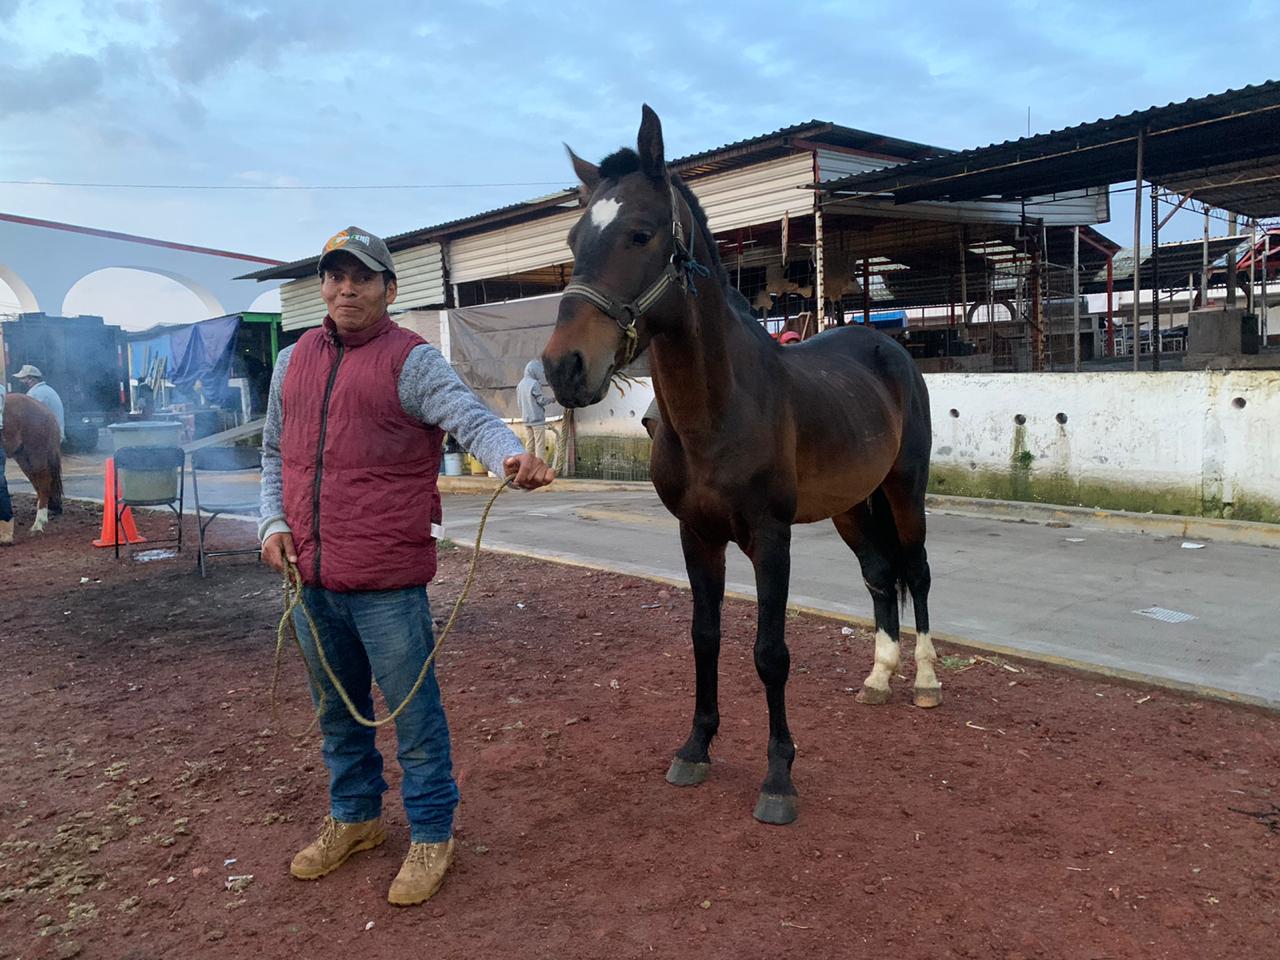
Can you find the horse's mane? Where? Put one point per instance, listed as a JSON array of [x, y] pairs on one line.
[[624, 161]]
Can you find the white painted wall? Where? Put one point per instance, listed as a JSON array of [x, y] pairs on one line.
[[1178, 429], [1166, 430]]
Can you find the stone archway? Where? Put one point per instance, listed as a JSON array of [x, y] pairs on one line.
[[27, 302], [112, 291]]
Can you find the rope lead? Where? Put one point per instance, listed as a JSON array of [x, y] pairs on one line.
[[291, 586]]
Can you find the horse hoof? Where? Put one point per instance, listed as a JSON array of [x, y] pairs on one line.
[[686, 773], [873, 696], [776, 808], [927, 697]]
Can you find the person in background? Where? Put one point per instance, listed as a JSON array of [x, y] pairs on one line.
[[533, 409], [351, 452], [37, 389], [6, 505]]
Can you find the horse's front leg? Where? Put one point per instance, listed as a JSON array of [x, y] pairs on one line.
[[705, 564], [771, 557]]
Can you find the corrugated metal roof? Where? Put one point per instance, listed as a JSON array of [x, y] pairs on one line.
[[1224, 148], [739, 153], [1177, 260]]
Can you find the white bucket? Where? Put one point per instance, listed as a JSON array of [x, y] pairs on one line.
[[453, 464]]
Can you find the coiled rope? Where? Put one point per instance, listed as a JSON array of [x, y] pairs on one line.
[[292, 591]]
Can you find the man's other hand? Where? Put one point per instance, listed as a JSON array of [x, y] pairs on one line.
[[527, 471]]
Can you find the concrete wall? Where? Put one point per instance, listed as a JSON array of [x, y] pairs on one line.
[[1177, 442], [1198, 442]]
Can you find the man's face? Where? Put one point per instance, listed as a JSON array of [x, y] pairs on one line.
[[356, 296], [29, 382]]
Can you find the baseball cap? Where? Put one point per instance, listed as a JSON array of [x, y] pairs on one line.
[[29, 370], [361, 244]]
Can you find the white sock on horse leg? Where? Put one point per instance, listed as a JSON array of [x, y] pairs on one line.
[[888, 653], [42, 517], [926, 657]]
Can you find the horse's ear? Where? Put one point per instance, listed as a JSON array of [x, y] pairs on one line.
[[649, 145], [588, 173]]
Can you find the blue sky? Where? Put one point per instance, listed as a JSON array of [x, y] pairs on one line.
[[471, 100]]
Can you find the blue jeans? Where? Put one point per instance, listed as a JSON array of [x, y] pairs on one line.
[[382, 635]]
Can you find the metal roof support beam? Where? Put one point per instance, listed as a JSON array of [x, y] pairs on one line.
[[1075, 297], [1177, 206], [1155, 278], [1137, 247]]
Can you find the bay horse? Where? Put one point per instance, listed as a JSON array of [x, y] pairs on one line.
[[31, 437], [752, 437]]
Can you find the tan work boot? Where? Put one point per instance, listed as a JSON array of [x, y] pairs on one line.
[[336, 843], [6, 533], [421, 873]]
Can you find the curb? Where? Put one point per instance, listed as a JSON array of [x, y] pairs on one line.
[[1244, 532], [1012, 653]]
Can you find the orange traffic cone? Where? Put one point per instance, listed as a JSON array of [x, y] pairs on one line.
[[109, 533]]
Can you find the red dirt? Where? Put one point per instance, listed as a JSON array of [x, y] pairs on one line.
[[1037, 814]]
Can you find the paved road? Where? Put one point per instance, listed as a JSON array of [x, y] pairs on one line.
[[1066, 594], [1059, 593]]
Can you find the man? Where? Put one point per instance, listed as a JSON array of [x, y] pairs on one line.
[[533, 409], [37, 389], [6, 505], [351, 450]]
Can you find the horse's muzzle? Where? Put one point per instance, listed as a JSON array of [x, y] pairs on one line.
[[568, 378]]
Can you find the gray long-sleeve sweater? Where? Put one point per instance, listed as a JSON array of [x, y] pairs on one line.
[[429, 390]]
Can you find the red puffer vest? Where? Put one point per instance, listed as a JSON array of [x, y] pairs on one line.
[[359, 473]]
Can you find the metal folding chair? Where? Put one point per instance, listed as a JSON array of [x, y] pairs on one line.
[[226, 462], [149, 477]]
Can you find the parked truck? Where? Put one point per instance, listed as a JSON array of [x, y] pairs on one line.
[[83, 358]]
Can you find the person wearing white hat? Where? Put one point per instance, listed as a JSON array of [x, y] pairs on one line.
[[37, 389]]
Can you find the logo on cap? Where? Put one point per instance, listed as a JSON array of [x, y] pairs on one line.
[[341, 239]]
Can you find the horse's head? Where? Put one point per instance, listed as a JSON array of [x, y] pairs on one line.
[[629, 250]]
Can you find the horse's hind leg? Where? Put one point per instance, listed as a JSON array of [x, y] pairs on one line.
[[705, 565], [906, 499], [42, 480], [864, 533]]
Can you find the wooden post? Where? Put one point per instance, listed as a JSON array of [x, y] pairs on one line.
[[1111, 290], [819, 267], [1137, 249], [1232, 225], [866, 290], [1204, 262], [1250, 300], [1266, 307]]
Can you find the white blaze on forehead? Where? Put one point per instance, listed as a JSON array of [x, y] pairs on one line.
[[604, 212]]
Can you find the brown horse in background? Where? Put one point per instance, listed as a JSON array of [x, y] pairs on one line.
[[753, 437], [32, 438]]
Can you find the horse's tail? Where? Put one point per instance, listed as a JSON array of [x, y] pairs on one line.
[[884, 534]]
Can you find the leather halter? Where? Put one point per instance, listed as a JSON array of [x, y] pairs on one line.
[[679, 271]]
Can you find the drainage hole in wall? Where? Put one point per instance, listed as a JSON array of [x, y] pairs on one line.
[[1019, 419], [1238, 403], [1061, 418], [955, 412]]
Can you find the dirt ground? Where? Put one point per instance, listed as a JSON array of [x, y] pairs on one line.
[[1037, 814]]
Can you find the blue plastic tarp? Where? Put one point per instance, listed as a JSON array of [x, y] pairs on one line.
[[202, 353]]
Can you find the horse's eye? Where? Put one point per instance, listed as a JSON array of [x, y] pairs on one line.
[[641, 237]]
